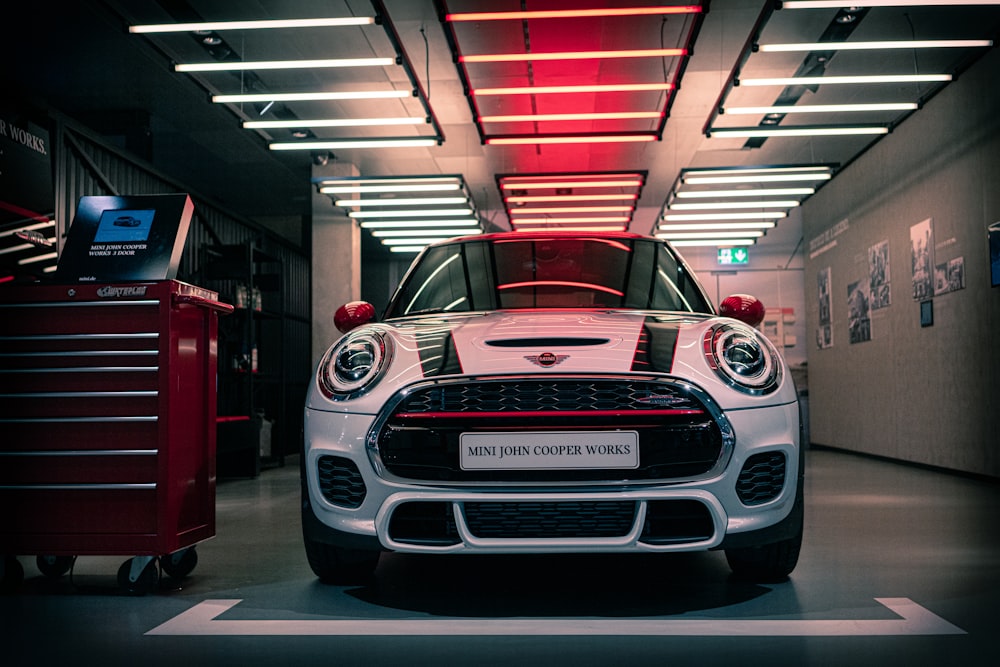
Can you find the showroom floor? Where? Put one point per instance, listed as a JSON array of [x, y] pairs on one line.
[[900, 565]]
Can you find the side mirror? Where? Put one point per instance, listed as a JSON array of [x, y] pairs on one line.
[[352, 315], [743, 307]]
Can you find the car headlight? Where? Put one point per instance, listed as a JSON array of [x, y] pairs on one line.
[[355, 364], [743, 358]]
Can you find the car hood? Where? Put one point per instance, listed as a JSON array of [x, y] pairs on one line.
[[531, 341]]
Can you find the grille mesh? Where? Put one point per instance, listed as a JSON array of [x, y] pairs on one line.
[[340, 481], [678, 437], [550, 520], [762, 478]]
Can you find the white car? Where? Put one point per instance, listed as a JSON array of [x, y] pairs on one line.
[[552, 393]]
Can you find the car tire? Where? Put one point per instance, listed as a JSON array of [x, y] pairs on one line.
[[768, 562], [339, 566]]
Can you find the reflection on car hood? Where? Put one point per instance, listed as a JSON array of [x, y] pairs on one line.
[[533, 341]]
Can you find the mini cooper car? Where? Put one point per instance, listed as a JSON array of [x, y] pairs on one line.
[[547, 393]]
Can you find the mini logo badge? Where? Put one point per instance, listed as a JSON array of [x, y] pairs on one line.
[[546, 359]]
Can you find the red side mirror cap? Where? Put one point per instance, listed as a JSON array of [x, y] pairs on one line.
[[743, 307], [352, 315]]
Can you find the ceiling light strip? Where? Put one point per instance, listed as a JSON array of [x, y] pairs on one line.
[[406, 201], [716, 242], [837, 4], [430, 213], [721, 194], [569, 139], [572, 55], [333, 122], [716, 226], [584, 88], [840, 80], [283, 64], [720, 206], [417, 224], [672, 236], [723, 133], [569, 228], [207, 26], [820, 108], [573, 219], [572, 13], [865, 46], [524, 199], [388, 142], [539, 185], [534, 210], [689, 217], [543, 117], [313, 97]]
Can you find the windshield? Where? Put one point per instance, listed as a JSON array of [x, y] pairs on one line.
[[504, 272]]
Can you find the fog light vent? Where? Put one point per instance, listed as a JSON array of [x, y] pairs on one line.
[[762, 478], [340, 481]]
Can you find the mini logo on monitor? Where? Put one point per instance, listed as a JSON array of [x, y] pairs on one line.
[[546, 359]]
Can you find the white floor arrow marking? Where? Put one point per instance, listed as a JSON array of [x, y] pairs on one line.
[[202, 619]]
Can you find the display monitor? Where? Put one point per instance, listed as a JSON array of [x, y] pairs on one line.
[[116, 238]]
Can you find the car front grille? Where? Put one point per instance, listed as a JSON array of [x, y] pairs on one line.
[[678, 436]]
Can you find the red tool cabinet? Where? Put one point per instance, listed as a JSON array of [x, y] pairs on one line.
[[107, 423]]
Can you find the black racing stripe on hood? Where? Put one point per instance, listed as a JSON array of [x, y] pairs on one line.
[[438, 355], [654, 351]]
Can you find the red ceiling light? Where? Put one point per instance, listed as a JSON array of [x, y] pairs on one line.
[[572, 55], [589, 88], [573, 13], [554, 198], [571, 209], [541, 117], [538, 184], [569, 139]]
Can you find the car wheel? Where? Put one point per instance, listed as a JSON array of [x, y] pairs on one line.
[[767, 562], [340, 566]]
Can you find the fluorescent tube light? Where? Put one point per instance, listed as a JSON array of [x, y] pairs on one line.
[[539, 185], [333, 122], [253, 25], [388, 142], [833, 80], [863, 46], [313, 97], [775, 215], [708, 235], [837, 4], [525, 199], [417, 224], [572, 55], [769, 192], [820, 108], [283, 64], [533, 210], [543, 117], [429, 213], [715, 226], [374, 189], [429, 233], [568, 228], [405, 201], [589, 88], [716, 242], [603, 219], [703, 206], [796, 131], [756, 178], [570, 139], [572, 13]]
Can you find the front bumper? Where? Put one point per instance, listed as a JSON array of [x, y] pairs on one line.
[[674, 515]]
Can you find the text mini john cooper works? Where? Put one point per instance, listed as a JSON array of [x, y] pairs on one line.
[[547, 393]]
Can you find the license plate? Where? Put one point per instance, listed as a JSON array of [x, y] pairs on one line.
[[549, 450]]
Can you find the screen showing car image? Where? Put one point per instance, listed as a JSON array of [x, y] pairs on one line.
[[120, 226]]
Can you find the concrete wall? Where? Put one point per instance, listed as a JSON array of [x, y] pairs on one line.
[[925, 394]]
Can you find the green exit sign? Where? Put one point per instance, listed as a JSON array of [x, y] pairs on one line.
[[734, 256]]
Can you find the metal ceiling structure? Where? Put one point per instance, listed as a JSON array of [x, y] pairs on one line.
[[631, 114]]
